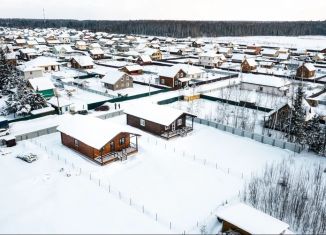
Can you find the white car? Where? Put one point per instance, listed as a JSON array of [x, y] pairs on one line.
[[4, 132]]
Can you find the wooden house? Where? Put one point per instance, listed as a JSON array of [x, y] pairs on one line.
[[306, 70], [318, 57], [11, 59], [82, 62], [116, 80], [28, 54], [81, 45], [144, 59], [96, 53], [155, 54], [248, 65], [323, 51], [270, 52], [160, 120], [132, 69], [277, 118], [173, 77], [197, 43], [20, 42], [242, 219], [47, 64], [211, 59], [253, 49], [98, 140]]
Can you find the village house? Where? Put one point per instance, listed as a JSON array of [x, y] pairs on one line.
[[269, 52], [64, 38], [31, 43], [144, 60], [11, 59], [81, 45], [175, 51], [117, 80], [318, 57], [242, 219], [277, 118], [226, 51], [96, 53], [197, 43], [265, 84], [46, 64], [248, 65], [306, 70], [173, 77], [253, 49], [28, 54], [123, 47], [155, 54], [160, 120], [100, 141], [32, 72], [40, 41], [132, 69], [323, 51], [211, 59], [42, 86], [82, 62], [20, 42], [62, 50]]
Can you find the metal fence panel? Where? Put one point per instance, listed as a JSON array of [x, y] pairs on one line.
[[279, 143], [229, 129], [258, 137], [268, 140], [238, 132], [248, 134]]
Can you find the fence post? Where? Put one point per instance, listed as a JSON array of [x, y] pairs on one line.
[[156, 216]]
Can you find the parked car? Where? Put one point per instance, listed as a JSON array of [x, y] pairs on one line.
[[103, 108], [4, 131], [31, 157], [82, 112]]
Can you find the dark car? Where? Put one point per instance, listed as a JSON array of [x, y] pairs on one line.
[[82, 112], [103, 108]]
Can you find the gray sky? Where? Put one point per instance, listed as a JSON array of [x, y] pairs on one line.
[[166, 9]]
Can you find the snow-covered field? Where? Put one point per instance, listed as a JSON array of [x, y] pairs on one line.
[[307, 42], [163, 177]]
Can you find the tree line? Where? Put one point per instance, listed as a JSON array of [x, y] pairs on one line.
[[179, 29]]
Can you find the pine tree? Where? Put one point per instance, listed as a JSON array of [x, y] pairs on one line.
[[296, 121], [315, 135]]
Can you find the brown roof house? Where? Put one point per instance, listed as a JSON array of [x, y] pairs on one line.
[[248, 65]]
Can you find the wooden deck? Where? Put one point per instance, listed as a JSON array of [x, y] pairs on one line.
[[180, 132], [115, 156]]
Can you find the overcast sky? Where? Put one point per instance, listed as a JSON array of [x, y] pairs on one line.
[[166, 9]]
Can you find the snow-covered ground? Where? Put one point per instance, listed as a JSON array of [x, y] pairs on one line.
[[163, 177]]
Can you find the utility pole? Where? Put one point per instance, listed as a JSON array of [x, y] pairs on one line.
[[44, 18]]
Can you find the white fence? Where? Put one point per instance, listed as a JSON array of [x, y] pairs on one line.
[[254, 136]]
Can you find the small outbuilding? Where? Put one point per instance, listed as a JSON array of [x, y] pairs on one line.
[[306, 70], [117, 80], [242, 219]]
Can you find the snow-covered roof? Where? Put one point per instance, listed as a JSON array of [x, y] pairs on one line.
[[188, 69], [112, 77], [265, 80], [80, 43], [251, 62], [41, 61], [135, 67], [41, 83], [251, 220], [310, 66], [96, 51], [268, 51], [145, 58], [160, 114], [90, 130], [42, 110], [83, 60], [67, 48]]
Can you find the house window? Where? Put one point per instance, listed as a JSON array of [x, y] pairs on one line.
[[46, 68], [76, 143], [30, 73], [176, 83], [122, 141], [127, 84], [179, 122], [142, 122], [181, 75], [260, 88], [162, 81], [167, 127]]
